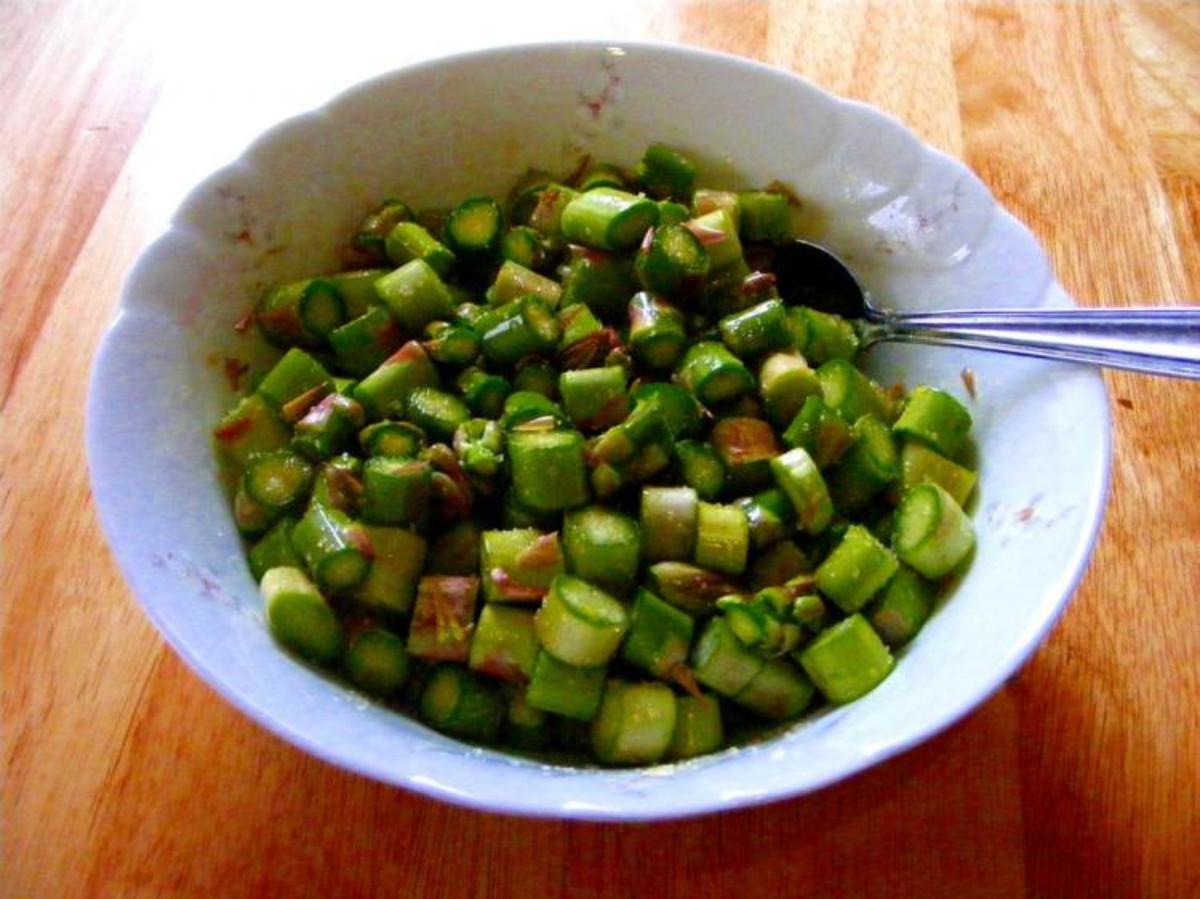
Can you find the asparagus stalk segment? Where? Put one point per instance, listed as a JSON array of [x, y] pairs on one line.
[[409, 242], [635, 723], [595, 398], [932, 533], [602, 546], [665, 172], [796, 474], [869, 465], [759, 329], [779, 691], [688, 587], [698, 727], [608, 219], [519, 565], [336, 550], [721, 661], [514, 281], [456, 702], [902, 608], [443, 619], [397, 491], [722, 538], [474, 230], [657, 335], [847, 661], [701, 468], [668, 523], [819, 431], [362, 344], [250, 427], [505, 644], [274, 550], [935, 417], [659, 636], [415, 295], [565, 689], [298, 615], [713, 374], [376, 662], [746, 447], [670, 259], [483, 392], [391, 583], [856, 570], [919, 465], [294, 376], [384, 392], [580, 624], [548, 468]]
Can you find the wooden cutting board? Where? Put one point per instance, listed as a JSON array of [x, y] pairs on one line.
[[126, 776]]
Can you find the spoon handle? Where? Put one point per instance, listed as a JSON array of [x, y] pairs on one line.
[[1162, 341]]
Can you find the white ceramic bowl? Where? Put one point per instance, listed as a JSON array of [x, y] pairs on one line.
[[919, 228]]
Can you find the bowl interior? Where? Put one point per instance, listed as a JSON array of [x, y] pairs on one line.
[[918, 227]]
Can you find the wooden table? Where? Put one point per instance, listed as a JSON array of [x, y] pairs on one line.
[[125, 775]]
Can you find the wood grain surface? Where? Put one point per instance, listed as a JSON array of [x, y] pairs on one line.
[[124, 775]]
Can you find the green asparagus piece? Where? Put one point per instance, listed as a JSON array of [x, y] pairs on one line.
[[376, 662], [635, 723], [848, 392], [760, 329], [602, 547], [668, 523], [547, 213], [408, 242], [856, 570], [519, 565], [548, 470], [415, 295], [932, 533], [524, 246], [298, 615], [632, 451], [436, 412], [745, 447], [722, 538], [474, 230], [297, 376], [796, 474], [603, 282], [279, 480], [659, 636], [363, 344], [713, 374], [720, 660], [698, 728], [328, 428], [769, 515], [819, 431], [274, 550], [514, 281], [785, 382], [684, 416], [602, 175], [707, 200], [399, 439], [847, 661], [391, 583], [565, 689], [777, 564], [827, 337], [580, 624], [384, 392], [525, 407], [665, 172], [505, 643], [371, 235], [718, 232], [526, 327], [657, 336], [672, 213], [919, 465], [606, 218], [451, 343], [688, 587], [536, 376], [765, 217], [456, 702], [397, 491], [902, 607], [779, 691], [672, 258], [594, 398], [250, 427], [936, 418], [701, 468], [484, 393], [479, 445], [869, 465], [443, 619], [335, 549]]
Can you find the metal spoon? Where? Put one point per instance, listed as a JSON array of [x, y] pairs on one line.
[[1161, 341]]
